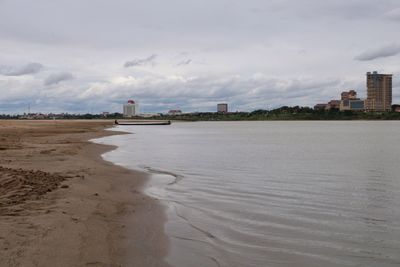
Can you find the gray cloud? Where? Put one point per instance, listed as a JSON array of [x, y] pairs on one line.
[[393, 14], [381, 52], [184, 62], [141, 62], [254, 36], [30, 68], [56, 78], [158, 94]]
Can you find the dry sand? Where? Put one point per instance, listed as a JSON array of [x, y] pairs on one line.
[[62, 205]]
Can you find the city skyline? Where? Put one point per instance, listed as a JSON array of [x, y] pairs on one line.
[[91, 56]]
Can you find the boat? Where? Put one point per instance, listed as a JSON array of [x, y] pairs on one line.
[[142, 123]]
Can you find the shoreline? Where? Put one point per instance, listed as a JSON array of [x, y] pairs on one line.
[[96, 213]]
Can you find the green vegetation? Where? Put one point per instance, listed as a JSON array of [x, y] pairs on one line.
[[286, 113], [282, 113]]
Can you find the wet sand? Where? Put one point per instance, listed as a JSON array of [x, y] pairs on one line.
[[62, 205]]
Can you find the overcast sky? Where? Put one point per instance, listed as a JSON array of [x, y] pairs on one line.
[[94, 55]]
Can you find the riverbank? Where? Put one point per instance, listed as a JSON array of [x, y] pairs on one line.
[[61, 204], [286, 114]]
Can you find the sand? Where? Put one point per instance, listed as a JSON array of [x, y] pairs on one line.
[[62, 205]]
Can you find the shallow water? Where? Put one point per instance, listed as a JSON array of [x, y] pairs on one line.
[[273, 193]]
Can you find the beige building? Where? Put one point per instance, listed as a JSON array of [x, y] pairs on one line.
[[379, 92]]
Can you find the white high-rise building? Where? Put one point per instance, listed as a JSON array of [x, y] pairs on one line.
[[131, 109]]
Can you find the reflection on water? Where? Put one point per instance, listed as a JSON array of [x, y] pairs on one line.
[[273, 193]]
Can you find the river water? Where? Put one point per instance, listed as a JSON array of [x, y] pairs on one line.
[[272, 193]]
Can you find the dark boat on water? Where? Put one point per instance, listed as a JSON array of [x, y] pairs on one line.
[[142, 123]]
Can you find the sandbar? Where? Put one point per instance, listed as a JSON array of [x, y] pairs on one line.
[[61, 204]]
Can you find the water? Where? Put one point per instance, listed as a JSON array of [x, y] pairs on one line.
[[273, 193]]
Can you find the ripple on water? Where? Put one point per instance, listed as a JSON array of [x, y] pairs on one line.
[[273, 193]]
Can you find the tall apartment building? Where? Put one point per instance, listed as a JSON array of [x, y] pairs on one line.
[[379, 92], [131, 109]]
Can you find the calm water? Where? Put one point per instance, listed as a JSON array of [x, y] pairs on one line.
[[273, 193]]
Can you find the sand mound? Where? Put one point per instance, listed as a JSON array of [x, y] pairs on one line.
[[19, 185]]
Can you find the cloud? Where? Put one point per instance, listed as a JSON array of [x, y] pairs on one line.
[[381, 52], [159, 93], [190, 93], [244, 42], [184, 62], [141, 62], [30, 68], [393, 14], [56, 78]]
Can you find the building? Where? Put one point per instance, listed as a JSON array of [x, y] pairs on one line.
[[379, 92], [333, 104], [351, 102], [149, 115], [396, 108], [174, 112], [222, 108], [347, 95], [131, 109], [320, 106]]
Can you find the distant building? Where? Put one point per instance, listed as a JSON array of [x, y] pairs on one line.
[[351, 102], [379, 92], [333, 104], [347, 95], [379, 96], [131, 109], [174, 112], [222, 108], [396, 108], [320, 106], [149, 115]]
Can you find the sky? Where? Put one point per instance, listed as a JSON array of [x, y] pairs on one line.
[[82, 56]]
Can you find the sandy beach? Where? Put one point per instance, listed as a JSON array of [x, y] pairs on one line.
[[62, 205]]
